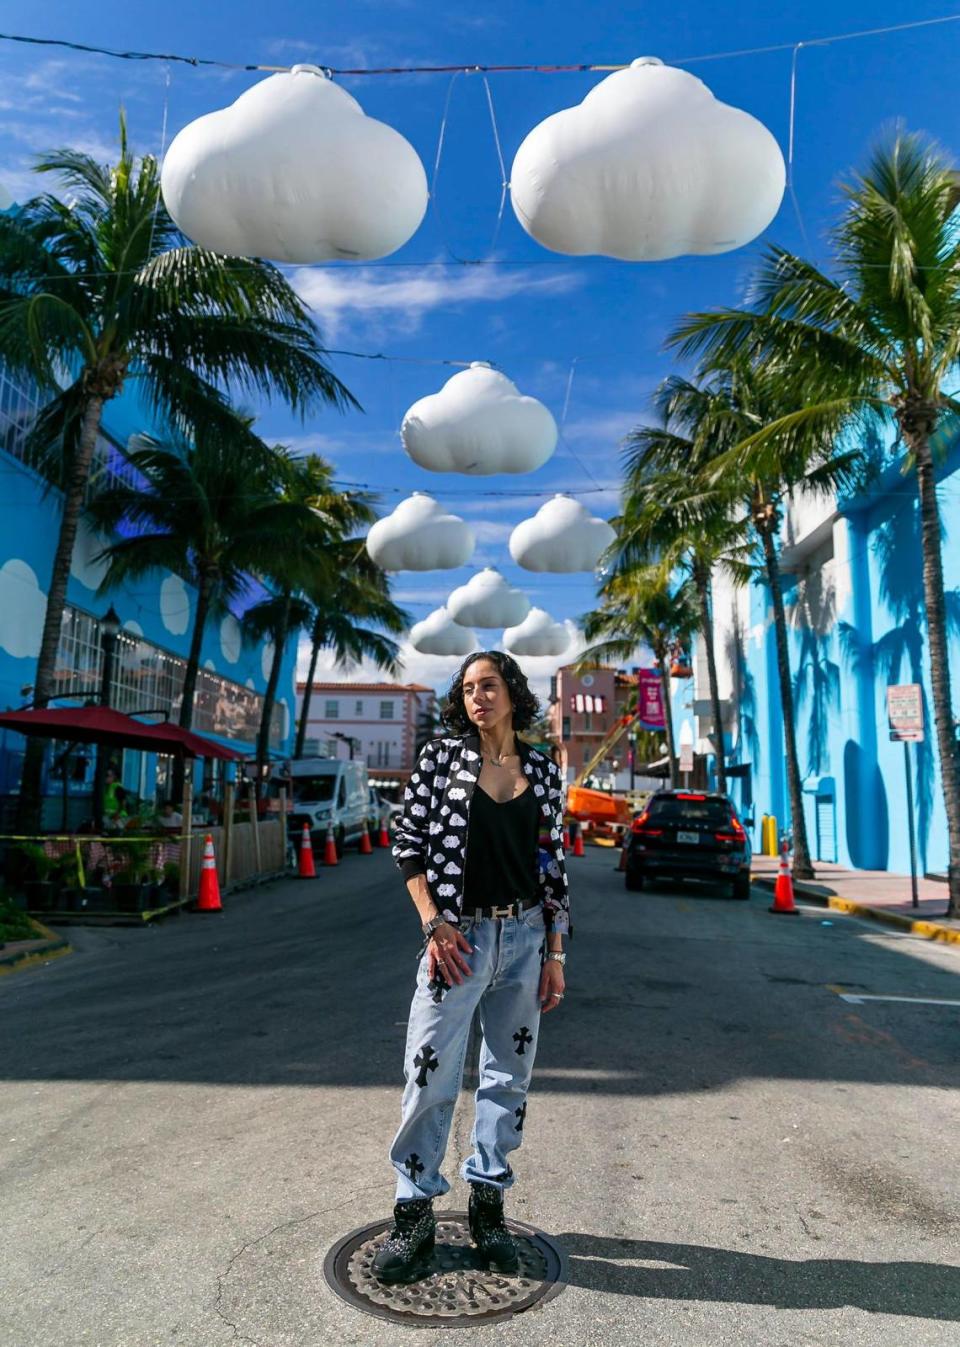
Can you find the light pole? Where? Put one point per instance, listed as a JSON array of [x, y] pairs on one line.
[[109, 631]]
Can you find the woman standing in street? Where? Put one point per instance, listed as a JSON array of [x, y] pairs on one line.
[[494, 908]]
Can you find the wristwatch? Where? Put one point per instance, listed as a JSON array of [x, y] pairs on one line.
[[430, 926], [557, 957]]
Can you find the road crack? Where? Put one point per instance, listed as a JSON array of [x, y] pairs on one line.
[[251, 1243]]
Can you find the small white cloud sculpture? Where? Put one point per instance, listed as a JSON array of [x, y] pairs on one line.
[[420, 536], [479, 423], [438, 634], [563, 536], [487, 600], [294, 170], [537, 634], [649, 166]]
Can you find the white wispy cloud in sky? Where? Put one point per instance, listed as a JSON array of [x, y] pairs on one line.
[[339, 294]]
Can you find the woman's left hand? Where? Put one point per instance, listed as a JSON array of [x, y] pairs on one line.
[[552, 983]]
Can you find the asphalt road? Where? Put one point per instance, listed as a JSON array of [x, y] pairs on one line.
[[729, 1152]]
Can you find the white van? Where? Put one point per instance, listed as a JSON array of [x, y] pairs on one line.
[[326, 792]]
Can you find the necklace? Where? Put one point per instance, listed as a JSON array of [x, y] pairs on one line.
[[501, 761]]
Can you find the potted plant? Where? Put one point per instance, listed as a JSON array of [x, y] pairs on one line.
[[36, 869], [134, 884], [171, 879], [76, 895]]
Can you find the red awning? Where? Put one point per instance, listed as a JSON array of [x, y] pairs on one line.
[[102, 725]]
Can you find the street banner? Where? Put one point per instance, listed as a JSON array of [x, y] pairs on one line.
[[650, 700], [905, 712]]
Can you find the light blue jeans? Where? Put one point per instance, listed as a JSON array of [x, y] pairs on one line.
[[506, 962]]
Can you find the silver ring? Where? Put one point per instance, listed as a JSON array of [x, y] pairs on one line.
[[557, 996]]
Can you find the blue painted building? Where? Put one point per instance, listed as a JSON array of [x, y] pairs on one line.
[[853, 589], [156, 614]]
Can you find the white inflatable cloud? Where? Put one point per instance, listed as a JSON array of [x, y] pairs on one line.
[[537, 634], [438, 634], [479, 423], [650, 165], [562, 536], [486, 600], [294, 170], [420, 536]]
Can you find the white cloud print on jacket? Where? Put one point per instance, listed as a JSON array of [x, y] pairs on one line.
[[431, 836]]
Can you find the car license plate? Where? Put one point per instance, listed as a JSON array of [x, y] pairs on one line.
[[692, 838]]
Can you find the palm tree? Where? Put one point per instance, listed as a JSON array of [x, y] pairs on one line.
[[361, 595], [882, 338], [207, 511], [103, 290], [643, 606], [306, 564], [694, 525]]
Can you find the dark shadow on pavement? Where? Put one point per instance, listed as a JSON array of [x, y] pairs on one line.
[[730, 1276]]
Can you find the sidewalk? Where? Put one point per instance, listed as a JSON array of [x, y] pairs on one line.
[[17, 954], [875, 894]]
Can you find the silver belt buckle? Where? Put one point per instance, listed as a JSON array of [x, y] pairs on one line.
[[503, 911]]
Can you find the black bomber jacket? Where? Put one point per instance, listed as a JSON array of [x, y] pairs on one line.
[[431, 836]]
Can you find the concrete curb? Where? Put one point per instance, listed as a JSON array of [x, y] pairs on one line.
[[825, 897], [54, 948]]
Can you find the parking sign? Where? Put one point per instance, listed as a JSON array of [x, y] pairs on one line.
[[905, 712]]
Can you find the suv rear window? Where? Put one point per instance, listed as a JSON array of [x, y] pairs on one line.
[[673, 809]]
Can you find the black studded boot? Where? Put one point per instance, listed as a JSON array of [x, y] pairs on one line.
[[404, 1254], [488, 1229]]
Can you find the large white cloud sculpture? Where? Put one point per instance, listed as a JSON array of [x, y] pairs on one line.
[[294, 170], [420, 536], [562, 536], [486, 600], [479, 423], [650, 165], [438, 634], [537, 634]]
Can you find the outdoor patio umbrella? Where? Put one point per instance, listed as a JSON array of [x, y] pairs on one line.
[[102, 725]]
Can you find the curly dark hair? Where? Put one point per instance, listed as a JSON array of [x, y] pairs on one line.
[[526, 707]]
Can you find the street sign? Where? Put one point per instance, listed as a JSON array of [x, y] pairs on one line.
[[686, 757], [905, 712]]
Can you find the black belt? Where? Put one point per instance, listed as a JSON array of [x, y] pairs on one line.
[[508, 910]]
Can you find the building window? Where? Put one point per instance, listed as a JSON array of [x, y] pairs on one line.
[[147, 678], [386, 710], [588, 721], [332, 711], [358, 708], [566, 727]]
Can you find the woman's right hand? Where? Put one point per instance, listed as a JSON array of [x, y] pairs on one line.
[[445, 952]]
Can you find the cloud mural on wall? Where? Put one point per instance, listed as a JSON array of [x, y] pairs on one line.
[[420, 535], [487, 600], [537, 634], [230, 639], [649, 166], [174, 605], [563, 536], [295, 171], [23, 606], [438, 634], [266, 658], [82, 564], [479, 423]]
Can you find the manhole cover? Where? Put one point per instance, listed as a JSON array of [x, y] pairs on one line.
[[456, 1288]]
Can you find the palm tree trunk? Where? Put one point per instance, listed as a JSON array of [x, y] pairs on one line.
[[196, 645], [930, 541], [28, 803], [307, 694], [668, 717], [270, 696], [801, 850], [702, 582]]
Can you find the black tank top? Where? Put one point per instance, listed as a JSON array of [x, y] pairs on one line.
[[501, 864]]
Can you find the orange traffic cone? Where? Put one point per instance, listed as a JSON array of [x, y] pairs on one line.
[[623, 855], [306, 868], [578, 840], [384, 840], [330, 856], [783, 891], [365, 847], [566, 838], [208, 899]]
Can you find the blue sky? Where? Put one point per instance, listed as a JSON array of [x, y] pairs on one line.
[[533, 313]]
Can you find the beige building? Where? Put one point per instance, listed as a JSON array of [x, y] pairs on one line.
[[384, 724]]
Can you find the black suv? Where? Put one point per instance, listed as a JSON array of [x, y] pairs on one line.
[[688, 835]]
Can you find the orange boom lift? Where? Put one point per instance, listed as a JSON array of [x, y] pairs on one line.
[[599, 811]]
